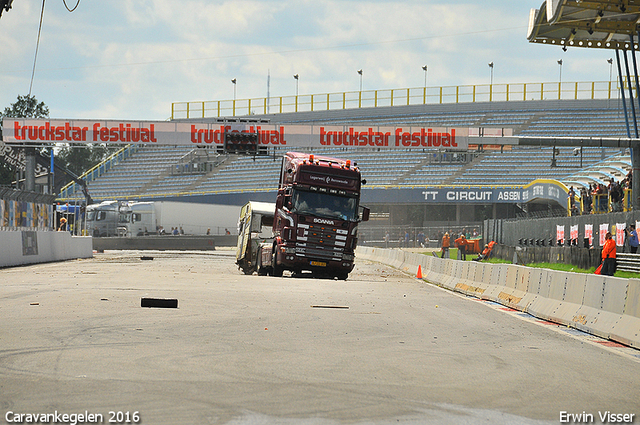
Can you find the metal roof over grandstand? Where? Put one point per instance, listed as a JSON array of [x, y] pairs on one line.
[[585, 23], [598, 24]]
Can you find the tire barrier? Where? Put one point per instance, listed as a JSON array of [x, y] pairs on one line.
[[159, 302], [604, 306]]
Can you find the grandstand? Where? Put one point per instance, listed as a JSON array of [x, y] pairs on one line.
[[203, 176]]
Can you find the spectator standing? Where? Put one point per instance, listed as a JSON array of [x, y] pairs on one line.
[[420, 239], [615, 194], [585, 195], [633, 239], [572, 197], [461, 243], [609, 256], [445, 245]]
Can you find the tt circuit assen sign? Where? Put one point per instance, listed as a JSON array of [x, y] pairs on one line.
[[18, 130], [549, 190]]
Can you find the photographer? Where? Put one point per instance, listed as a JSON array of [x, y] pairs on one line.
[[633, 238]]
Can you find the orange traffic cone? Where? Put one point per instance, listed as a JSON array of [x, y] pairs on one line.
[[419, 275]]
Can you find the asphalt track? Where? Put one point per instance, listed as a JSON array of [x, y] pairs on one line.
[[379, 348]]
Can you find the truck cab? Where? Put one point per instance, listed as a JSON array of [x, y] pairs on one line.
[[317, 215], [108, 218], [141, 219]]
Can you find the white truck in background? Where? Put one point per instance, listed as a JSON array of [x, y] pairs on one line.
[[107, 218], [114, 218]]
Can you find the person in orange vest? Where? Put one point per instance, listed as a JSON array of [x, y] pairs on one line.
[[609, 256], [486, 252], [461, 243], [445, 245], [491, 245]]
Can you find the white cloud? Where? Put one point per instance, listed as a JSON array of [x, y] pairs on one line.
[[123, 59]]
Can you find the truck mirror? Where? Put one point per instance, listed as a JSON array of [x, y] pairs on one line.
[[365, 214], [287, 201]]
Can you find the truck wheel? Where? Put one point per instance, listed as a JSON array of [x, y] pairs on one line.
[[262, 271], [342, 276], [276, 269]]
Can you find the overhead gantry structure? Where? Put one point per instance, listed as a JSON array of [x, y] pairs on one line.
[[603, 24]]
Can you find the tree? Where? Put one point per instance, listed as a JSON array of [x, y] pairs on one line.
[[25, 107], [75, 159], [80, 159]]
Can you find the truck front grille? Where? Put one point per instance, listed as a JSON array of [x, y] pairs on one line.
[[321, 242]]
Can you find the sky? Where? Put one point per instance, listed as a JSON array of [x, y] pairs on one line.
[[129, 60]]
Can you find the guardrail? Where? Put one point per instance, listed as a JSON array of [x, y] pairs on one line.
[[396, 97], [605, 306]]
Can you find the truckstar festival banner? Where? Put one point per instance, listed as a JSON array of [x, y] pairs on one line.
[[20, 130]]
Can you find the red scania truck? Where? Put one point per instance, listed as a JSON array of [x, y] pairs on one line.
[[315, 227]]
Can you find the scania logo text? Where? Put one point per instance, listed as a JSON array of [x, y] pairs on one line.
[[322, 221]]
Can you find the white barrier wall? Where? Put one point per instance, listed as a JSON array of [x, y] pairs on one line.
[[605, 306], [21, 247]]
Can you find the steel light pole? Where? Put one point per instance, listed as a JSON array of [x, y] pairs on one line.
[[424, 68], [491, 73], [491, 82], [560, 79]]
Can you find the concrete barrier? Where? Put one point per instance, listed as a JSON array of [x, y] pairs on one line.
[[605, 306], [494, 284], [596, 315], [178, 243], [627, 329], [515, 286], [538, 278], [21, 247], [550, 297], [572, 297]]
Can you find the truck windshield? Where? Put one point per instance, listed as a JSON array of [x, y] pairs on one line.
[[324, 205], [124, 217]]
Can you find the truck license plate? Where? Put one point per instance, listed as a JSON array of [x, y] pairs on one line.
[[319, 263]]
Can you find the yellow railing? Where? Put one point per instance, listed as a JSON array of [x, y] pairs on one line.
[[600, 204], [395, 97], [96, 171]]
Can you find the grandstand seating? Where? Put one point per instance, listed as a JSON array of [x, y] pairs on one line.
[[146, 174]]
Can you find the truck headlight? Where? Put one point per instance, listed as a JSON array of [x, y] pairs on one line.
[[347, 257]]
